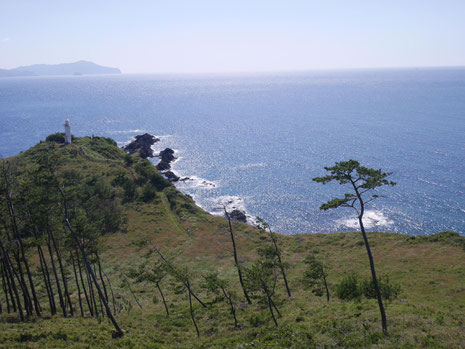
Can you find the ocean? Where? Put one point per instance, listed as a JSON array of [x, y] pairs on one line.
[[255, 141]]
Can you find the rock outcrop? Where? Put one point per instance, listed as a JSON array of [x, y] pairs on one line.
[[166, 157], [164, 166], [171, 176], [143, 145], [238, 216]]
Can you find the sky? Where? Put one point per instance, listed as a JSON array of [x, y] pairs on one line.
[[200, 36]]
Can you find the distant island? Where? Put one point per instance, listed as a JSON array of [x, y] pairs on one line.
[[76, 68]]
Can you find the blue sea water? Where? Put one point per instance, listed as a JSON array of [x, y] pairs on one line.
[[256, 141]]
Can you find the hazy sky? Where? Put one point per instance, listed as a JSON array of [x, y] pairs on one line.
[[170, 36]]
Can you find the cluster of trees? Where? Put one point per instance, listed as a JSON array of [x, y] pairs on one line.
[[57, 218]]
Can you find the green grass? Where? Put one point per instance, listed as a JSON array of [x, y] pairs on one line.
[[430, 270]]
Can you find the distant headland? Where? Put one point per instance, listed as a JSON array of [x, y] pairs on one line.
[[76, 68]]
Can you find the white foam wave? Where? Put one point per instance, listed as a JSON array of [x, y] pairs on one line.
[[371, 219], [247, 166], [230, 202], [194, 182], [127, 132]]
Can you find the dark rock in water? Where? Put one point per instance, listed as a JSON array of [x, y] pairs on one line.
[[143, 145], [163, 166], [171, 176], [238, 216], [166, 157]]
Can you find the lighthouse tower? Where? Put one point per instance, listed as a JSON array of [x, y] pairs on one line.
[[67, 132]]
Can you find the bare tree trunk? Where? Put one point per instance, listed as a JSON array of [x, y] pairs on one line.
[[231, 305], [281, 266], [51, 300], [77, 284], [17, 235], [236, 261], [270, 305], [4, 287], [192, 313], [101, 277], [92, 294], [325, 283], [375, 280], [163, 298], [372, 263], [274, 306], [7, 261], [63, 275], [111, 291], [186, 284], [130, 289], [91, 310], [55, 273], [8, 284]]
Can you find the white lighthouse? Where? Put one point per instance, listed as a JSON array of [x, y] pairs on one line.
[[67, 132]]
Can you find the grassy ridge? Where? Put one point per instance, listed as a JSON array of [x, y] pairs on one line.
[[430, 270]]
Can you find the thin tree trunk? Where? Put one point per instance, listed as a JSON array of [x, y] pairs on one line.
[[270, 306], [77, 284], [163, 298], [63, 275], [187, 285], [84, 286], [192, 313], [22, 284], [375, 280], [5, 288], [43, 264], [99, 299], [12, 215], [44, 276], [101, 277], [92, 294], [281, 267], [370, 258], [55, 273], [274, 306], [231, 304], [8, 284], [111, 291], [130, 289], [236, 261], [325, 283], [12, 280]]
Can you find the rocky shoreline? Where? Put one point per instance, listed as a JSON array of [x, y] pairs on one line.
[[142, 145]]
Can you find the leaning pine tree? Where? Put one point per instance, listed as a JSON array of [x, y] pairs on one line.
[[361, 180]]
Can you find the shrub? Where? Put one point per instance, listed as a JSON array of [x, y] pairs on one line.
[[159, 181], [128, 159], [257, 320], [348, 288], [148, 192], [58, 137], [388, 290]]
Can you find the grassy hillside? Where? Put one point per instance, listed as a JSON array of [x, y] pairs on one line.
[[429, 311]]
